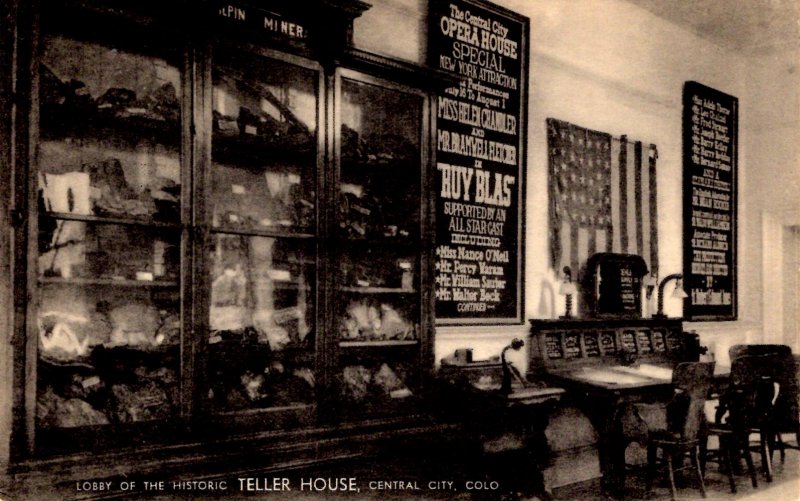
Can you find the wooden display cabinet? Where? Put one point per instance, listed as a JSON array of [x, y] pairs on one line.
[[224, 237], [261, 248], [108, 261], [379, 303]]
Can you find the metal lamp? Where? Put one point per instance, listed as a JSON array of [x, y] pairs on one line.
[[508, 369], [568, 289], [677, 293]]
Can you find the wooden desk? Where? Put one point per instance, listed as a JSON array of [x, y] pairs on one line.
[[534, 396], [483, 380], [504, 433], [607, 366], [628, 379]]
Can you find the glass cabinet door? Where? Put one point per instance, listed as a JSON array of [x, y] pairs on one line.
[[262, 191], [222, 236], [107, 315], [378, 261]]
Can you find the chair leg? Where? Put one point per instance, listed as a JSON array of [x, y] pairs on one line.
[[727, 448], [743, 445], [652, 453], [696, 464], [796, 438], [781, 446], [703, 454], [765, 460], [772, 439], [671, 476]]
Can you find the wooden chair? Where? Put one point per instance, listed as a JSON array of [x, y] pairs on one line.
[[745, 408], [785, 415], [733, 408], [781, 366], [741, 350], [685, 417]]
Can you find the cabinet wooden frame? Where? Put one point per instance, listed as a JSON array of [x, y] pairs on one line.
[[423, 347], [195, 231], [250, 419], [29, 178]]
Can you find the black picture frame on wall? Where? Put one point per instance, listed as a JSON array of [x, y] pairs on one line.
[[613, 285], [480, 154], [710, 148]]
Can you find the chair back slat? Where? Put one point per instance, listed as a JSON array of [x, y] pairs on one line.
[[742, 350], [691, 382], [752, 390], [786, 409]]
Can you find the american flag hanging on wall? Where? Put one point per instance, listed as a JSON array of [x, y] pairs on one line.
[[602, 196]]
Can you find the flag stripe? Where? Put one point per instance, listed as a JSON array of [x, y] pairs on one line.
[[637, 189], [652, 157], [602, 196], [645, 214], [566, 248], [623, 193], [555, 155], [601, 240], [583, 249], [630, 222], [616, 151], [573, 251]]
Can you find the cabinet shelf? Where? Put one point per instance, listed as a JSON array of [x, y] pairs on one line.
[[87, 218], [248, 232], [377, 290], [296, 352], [265, 410], [378, 344], [361, 167], [127, 351], [108, 282], [403, 243], [100, 355], [59, 124], [290, 284], [257, 152]]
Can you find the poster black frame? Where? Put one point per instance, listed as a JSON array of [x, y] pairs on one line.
[[709, 312], [518, 254]]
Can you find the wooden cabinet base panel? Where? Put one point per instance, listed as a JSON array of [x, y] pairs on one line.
[[252, 455]]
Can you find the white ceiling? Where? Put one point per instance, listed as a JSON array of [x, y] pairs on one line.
[[748, 26]]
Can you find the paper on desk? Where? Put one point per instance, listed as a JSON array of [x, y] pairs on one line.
[[524, 393], [647, 370], [609, 377]]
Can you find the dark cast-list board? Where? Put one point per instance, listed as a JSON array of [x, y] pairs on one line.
[[709, 205]]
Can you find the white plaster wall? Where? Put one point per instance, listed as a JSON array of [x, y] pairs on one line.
[[394, 28], [773, 151], [791, 286], [611, 66], [769, 191]]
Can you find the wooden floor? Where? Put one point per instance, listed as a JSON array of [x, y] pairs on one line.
[[784, 487], [407, 481]]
